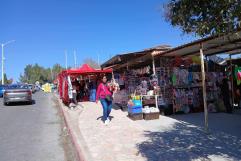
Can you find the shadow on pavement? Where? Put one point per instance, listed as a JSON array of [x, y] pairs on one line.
[[116, 106], [218, 122], [22, 103], [187, 142], [101, 118]]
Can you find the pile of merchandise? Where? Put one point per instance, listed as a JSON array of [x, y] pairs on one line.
[[135, 109], [148, 109], [176, 86]]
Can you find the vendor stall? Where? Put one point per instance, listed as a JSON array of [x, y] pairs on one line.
[[175, 87], [227, 43], [186, 79], [167, 84], [75, 85], [139, 86]]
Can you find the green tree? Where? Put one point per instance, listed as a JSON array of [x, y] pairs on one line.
[[33, 73], [57, 68], [204, 17], [6, 80]]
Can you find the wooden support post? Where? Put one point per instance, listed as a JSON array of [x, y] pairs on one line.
[[232, 92], [204, 88], [207, 68], [156, 101], [153, 65]]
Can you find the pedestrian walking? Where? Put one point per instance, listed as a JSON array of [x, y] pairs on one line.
[[104, 94]]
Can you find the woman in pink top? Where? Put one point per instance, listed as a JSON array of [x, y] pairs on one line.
[[105, 96]]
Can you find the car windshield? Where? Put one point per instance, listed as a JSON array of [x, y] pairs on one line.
[[17, 87]]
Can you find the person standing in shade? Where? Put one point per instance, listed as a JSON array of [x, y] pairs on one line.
[[104, 94], [225, 94], [74, 91]]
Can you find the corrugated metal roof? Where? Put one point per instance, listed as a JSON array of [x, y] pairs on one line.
[[126, 57], [224, 43]]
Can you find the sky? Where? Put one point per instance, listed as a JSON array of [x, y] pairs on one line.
[[44, 29]]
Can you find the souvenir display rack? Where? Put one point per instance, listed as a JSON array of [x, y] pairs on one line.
[[177, 85]]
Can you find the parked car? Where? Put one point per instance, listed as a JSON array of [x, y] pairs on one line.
[[17, 93], [2, 89]]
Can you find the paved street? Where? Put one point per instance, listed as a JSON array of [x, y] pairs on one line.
[[32, 132]]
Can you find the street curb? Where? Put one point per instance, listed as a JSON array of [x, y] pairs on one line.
[[79, 147]]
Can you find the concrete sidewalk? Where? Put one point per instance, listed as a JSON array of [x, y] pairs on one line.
[[164, 139]]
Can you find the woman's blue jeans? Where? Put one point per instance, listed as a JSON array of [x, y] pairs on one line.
[[107, 106]]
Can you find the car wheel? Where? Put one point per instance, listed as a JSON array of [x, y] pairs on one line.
[[5, 104]]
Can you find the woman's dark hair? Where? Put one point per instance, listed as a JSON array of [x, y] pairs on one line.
[[103, 76]]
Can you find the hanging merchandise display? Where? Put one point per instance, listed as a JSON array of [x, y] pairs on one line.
[[190, 76], [237, 74], [178, 61], [135, 81], [196, 59], [187, 89], [164, 76], [142, 89], [70, 93], [176, 86]]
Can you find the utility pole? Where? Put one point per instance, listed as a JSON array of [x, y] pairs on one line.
[[98, 59], [66, 60], [2, 64], [3, 58], [52, 74], [75, 59]]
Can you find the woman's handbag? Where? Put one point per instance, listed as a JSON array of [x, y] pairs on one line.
[[107, 97]]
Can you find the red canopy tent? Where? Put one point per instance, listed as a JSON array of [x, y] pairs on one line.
[[84, 70]]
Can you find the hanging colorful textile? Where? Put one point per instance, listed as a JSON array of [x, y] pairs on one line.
[[196, 59], [178, 61], [237, 74], [190, 76], [174, 79]]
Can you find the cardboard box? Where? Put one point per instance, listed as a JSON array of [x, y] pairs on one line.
[[134, 117], [151, 116]]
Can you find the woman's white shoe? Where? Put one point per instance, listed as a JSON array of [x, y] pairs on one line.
[[106, 122]]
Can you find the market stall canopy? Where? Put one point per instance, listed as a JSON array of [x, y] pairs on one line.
[[122, 60], [218, 60], [229, 43], [86, 69]]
